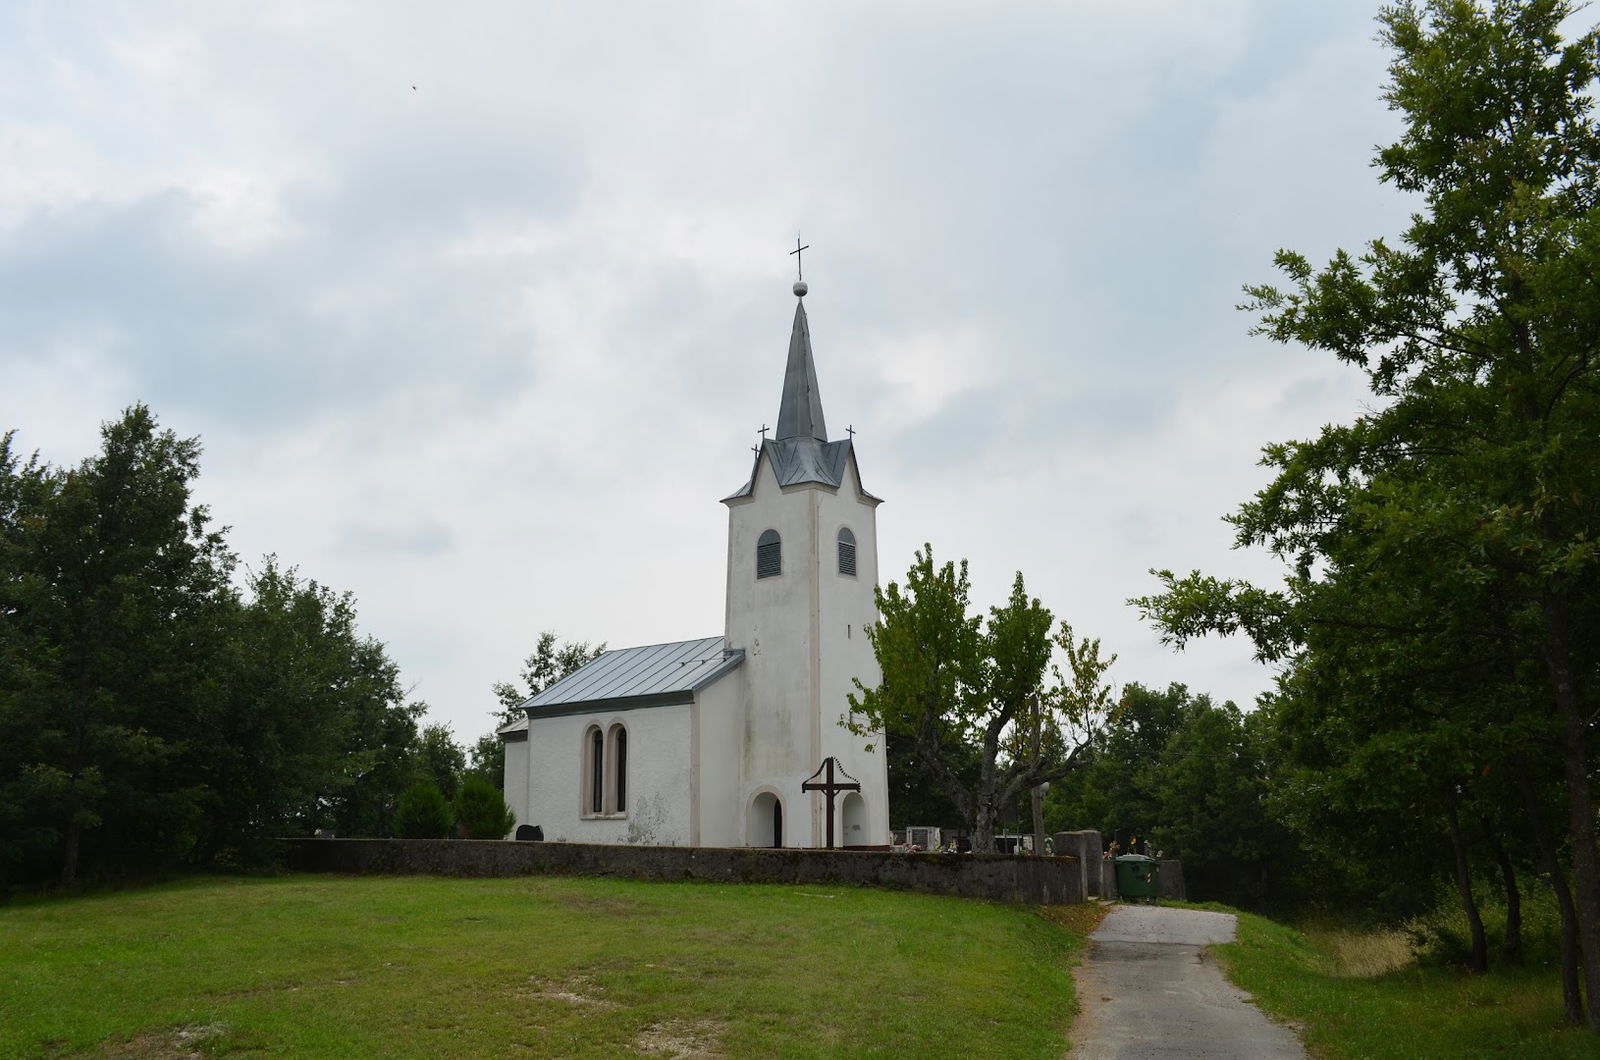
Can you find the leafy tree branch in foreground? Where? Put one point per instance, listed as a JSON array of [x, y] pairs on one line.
[[1440, 613]]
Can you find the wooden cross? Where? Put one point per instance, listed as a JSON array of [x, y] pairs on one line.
[[830, 788], [799, 275]]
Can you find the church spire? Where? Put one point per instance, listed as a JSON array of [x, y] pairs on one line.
[[800, 412]]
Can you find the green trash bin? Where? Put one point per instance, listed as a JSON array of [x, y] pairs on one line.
[[1138, 876]]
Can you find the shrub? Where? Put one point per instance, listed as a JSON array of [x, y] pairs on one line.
[[423, 813], [1441, 938], [482, 810]]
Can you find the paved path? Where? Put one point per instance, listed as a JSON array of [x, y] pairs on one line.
[[1147, 990]]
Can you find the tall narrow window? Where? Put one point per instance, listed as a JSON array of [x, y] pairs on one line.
[[847, 552], [619, 752], [597, 772], [769, 555]]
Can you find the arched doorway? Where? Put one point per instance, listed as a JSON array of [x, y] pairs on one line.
[[765, 821], [853, 821]]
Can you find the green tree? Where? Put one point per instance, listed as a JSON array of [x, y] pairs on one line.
[[486, 759], [380, 730], [32, 793], [1459, 519], [549, 662], [915, 798], [1117, 787], [1192, 778], [273, 727], [304, 723], [111, 585], [482, 810], [1211, 793], [150, 713], [440, 760], [1083, 698], [956, 685], [422, 812]]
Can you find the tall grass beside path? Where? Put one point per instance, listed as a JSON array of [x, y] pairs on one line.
[[413, 966], [1402, 1012]]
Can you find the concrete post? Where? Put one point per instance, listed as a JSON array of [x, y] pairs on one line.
[[1087, 847]]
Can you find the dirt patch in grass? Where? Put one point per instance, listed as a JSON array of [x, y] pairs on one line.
[[577, 990], [605, 905], [680, 1038], [177, 1044]]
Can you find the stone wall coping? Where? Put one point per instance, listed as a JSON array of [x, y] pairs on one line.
[[1003, 877]]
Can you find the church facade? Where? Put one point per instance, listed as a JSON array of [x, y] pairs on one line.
[[708, 742]]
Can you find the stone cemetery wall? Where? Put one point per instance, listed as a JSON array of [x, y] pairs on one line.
[[1005, 877]]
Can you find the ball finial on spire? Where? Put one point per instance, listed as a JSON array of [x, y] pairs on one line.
[[800, 289]]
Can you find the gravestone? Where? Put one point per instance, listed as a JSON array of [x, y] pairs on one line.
[[530, 832]]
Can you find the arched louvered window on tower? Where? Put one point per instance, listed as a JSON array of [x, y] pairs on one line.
[[769, 555], [847, 552]]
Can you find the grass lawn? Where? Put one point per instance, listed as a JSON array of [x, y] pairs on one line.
[[1347, 1005], [341, 966]]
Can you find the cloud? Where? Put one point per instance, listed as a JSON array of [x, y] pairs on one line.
[[488, 352]]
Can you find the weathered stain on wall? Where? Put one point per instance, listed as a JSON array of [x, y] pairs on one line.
[[649, 816]]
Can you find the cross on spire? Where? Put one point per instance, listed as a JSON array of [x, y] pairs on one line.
[[763, 431], [851, 431], [798, 274]]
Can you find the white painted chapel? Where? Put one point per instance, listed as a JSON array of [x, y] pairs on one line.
[[711, 741]]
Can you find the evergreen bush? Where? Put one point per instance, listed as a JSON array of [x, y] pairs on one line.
[[482, 810], [423, 813]]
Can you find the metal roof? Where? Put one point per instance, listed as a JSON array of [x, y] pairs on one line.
[[654, 673], [800, 411], [801, 451], [799, 460]]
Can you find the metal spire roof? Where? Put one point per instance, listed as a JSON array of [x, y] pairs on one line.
[[801, 451], [800, 411]]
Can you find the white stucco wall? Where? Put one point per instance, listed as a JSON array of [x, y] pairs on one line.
[[721, 734], [515, 780], [846, 606], [804, 641], [771, 619], [659, 778]]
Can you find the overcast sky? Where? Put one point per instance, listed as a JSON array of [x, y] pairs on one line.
[[477, 308]]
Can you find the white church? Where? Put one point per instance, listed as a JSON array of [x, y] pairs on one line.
[[708, 742]]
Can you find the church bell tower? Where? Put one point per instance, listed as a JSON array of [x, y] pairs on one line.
[[802, 570]]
